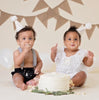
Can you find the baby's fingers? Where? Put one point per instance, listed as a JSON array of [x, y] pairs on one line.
[[90, 53], [36, 71], [56, 45]]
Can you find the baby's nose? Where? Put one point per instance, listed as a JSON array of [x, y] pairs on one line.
[[72, 41], [27, 40]]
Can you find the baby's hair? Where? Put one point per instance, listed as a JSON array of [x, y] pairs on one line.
[[72, 29], [26, 28]]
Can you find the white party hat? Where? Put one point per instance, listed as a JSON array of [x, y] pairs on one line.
[[17, 24], [87, 26]]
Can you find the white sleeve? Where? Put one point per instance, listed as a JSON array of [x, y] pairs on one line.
[[58, 55]]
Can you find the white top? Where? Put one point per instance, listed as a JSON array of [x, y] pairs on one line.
[[70, 65]]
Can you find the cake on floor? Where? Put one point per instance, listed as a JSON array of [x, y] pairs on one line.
[[54, 82]]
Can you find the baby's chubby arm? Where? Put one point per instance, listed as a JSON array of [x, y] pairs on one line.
[[19, 57], [88, 61], [39, 64], [53, 52]]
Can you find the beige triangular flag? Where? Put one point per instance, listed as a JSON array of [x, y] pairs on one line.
[[75, 24], [41, 5], [30, 20], [47, 15], [4, 16], [90, 32], [78, 1], [43, 18], [65, 6], [60, 21], [54, 13], [98, 25]]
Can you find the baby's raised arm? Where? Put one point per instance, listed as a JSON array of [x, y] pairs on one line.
[[18, 57], [88, 61], [53, 52]]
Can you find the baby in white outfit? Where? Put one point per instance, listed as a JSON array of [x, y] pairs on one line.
[[72, 60], [70, 65]]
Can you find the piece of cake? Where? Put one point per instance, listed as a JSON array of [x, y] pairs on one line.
[[54, 82]]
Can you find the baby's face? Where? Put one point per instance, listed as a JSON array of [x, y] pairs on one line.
[[72, 41], [26, 39]]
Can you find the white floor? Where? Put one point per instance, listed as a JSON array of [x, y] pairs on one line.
[[90, 91]]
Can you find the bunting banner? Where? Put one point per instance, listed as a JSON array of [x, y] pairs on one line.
[[5, 16], [47, 15], [44, 19], [50, 13]]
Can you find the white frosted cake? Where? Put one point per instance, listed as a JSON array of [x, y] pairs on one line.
[[54, 82]]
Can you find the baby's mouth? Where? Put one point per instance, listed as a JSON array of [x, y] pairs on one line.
[[72, 45], [28, 45]]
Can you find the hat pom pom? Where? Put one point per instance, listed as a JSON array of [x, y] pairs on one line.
[[88, 26], [13, 18]]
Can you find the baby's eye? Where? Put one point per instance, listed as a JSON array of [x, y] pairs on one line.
[[75, 39], [30, 38], [69, 39], [24, 38]]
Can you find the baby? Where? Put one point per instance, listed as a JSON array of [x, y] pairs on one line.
[[27, 63], [72, 60]]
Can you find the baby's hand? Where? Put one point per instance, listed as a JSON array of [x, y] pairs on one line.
[[27, 47], [90, 55], [37, 70], [54, 49]]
